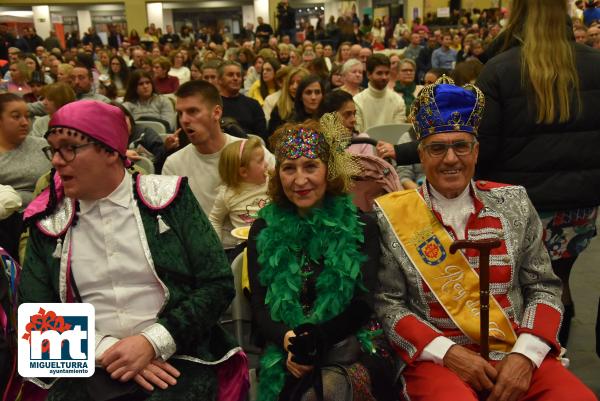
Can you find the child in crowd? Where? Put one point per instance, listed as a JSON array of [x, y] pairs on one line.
[[243, 170]]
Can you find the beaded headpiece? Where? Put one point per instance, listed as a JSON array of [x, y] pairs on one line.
[[302, 142], [445, 107], [328, 143]]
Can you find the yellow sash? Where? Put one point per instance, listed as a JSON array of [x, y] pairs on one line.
[[452, 280]]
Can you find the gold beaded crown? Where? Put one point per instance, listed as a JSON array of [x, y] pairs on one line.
[[445, 107]]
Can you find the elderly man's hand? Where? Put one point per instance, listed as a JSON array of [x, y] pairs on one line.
[[470, 367], [385, 150], [514, 378], [157, 373], [127, 357]]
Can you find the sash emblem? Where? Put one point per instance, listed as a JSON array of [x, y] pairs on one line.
[[431, 250]]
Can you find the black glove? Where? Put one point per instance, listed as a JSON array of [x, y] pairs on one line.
[[307, 346]]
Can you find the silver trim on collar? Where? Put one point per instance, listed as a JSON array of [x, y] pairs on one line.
[[56, 224], [158, 191]]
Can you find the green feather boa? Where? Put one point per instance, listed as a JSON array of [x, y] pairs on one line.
[[332, 233]]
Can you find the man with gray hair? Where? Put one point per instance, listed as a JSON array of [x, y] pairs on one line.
[[246, 111], [137, 55], [435, 288]]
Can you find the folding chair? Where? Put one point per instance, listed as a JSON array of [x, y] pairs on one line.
[[389, 132], [158, 127], [145, 164], [239, 315]]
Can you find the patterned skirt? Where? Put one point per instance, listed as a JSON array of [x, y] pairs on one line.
[[567, 233], [351, 383]]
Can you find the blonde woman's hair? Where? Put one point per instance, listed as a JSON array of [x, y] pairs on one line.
[[285, 104], [65, 68], [547, 56], [231, 160], [266, 53], [59, 93], [24, 71]]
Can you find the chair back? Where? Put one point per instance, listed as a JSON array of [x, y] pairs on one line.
[[239, 314], [145, 164], [388, 132], [158, 127]]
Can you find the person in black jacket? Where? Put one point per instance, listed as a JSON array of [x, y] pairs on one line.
[[72, 39], [263, 30], [91, 37], [246, 111], [116, 38], [500, 80], [7, 40], [286, 20], [543, 134], [33, 40], [424, 58]]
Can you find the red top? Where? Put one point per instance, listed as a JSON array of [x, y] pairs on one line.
[[166, 85]]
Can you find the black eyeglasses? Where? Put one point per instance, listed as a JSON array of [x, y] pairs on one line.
[[67, 153], [460, 148]]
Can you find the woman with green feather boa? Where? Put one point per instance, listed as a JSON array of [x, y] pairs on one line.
[[312, 259]]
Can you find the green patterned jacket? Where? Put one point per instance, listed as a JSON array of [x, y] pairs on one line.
[[186, 255]]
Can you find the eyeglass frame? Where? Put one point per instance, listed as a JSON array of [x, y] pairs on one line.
[[447, 146], [73, 148]]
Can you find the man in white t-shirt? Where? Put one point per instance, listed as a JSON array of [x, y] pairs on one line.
[[200, 107]]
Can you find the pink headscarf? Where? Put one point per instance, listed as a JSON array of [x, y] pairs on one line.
[[100, 121]]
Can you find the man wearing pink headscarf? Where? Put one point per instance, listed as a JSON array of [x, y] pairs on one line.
[[143, 253]]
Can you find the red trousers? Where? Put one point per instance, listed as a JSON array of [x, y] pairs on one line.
[[426, 381]]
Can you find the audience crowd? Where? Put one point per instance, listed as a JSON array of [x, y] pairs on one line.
[[208, 105]]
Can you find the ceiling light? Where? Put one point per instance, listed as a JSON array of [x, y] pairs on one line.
[[20, 14]]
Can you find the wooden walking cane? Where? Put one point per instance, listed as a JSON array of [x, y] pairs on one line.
[[484, 246]]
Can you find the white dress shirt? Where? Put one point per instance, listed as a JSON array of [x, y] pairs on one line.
[[112, 272], [455, 213]]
